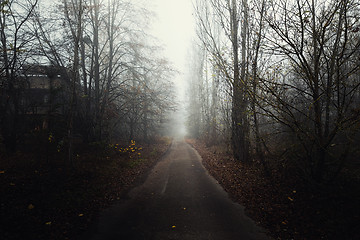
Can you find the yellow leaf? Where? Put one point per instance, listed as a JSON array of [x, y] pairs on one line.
[[80, 215], [48, 223], [173, 227], [283, 222], [31, 206], [294, 191], [291, 199]]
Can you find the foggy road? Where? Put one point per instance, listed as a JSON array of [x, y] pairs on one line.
[[179, 200]]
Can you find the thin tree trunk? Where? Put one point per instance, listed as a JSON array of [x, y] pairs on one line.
[[258, 141]]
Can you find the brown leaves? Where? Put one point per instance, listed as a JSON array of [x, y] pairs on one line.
[[54, 203], [275, 203]]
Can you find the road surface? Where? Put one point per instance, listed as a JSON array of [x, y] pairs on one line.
[[179, 200]]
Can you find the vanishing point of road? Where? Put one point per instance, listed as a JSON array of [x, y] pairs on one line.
[[179, 200]]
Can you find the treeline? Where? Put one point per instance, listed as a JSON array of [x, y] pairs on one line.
[[100, 74], [278, 82]]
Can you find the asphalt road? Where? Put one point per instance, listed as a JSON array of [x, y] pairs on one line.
[[179, 200]]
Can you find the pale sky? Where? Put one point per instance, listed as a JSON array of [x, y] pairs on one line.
[[174, 26]]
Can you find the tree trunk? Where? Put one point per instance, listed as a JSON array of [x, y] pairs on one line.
[[240, 141]]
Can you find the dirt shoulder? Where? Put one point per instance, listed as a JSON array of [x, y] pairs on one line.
[[285, 207], [41, 199]]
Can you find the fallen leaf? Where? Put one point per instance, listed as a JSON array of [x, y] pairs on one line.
[[12, 184], [173, 227], [2, 172], [81, 214], [48, 223], [30, 207]]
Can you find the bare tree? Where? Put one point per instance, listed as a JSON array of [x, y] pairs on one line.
[[15, 47], [318, 42], [228, 15]]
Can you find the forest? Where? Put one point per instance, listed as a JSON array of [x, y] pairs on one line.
[[85, 96], [278, 81], [274, 96], [273, 92], [81, 68]]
